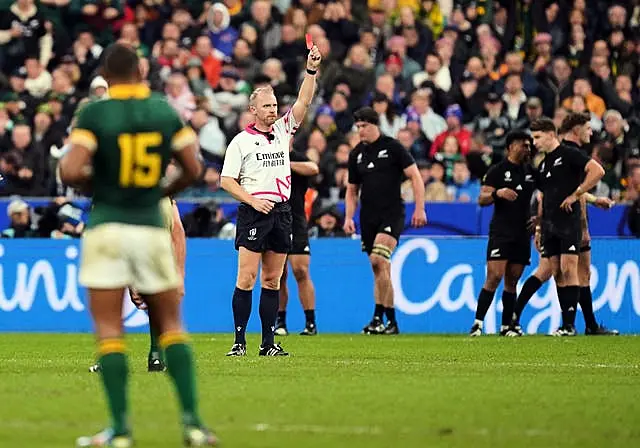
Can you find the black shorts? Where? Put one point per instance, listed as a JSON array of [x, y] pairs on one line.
[[516, 251], [300, 245], [260, 233], [585, 248], [389, 223], [554, 244]]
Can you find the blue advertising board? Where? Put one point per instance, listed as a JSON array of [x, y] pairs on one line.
[[444, 218], [436, 282]]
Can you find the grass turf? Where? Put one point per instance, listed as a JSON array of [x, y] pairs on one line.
[[341, 391]]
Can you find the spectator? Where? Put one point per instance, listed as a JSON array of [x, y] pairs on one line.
[[23, 165], [208, 221], [23, 32], [38, 81], [436, 190], [223, 36], [390, 122], [179, 95], [431, 123], [327, 224], [493, 123], [464, 188], [453, 116], [20, 225]]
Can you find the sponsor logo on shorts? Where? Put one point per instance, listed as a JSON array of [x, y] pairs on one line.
[[495, 252], [252, 234], [572, 248], [387, 229], [307, 249]]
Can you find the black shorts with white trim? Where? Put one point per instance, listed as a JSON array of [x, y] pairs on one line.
[[391, 224], [516, 251], [554, 244]]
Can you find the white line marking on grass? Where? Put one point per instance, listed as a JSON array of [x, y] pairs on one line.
[[319, 429]]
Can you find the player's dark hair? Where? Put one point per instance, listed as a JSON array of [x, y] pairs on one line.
[[517, 136], [543, 124], [572, 120], [366, 114], [120, 64]]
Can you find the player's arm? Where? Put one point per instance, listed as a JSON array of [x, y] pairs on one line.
[[305, 168], [185, 151], [593, 173], [351, 195], [308, 87], [419, 217], [600, 202], [486, 195], [75, 166], [229, 180], [179, 243]]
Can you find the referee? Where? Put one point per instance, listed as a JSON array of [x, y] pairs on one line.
[[257, 173], [565, 175], [377, 168]]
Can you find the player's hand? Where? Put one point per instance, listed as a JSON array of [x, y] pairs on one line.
[[507, 194], [567, 204], [537, 239], [532, 223], [137, 299], [604, 203], [314, 58], [349, 227], [262, 205], [419, 217]]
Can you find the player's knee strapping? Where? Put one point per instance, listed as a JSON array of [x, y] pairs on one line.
[[382, 251]]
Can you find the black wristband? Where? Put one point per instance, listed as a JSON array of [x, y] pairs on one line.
[[312, 72], [494, 195]]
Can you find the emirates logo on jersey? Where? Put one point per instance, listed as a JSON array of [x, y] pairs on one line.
[[271, 159]]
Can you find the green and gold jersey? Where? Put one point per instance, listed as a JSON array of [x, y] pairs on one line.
[[132, 135]]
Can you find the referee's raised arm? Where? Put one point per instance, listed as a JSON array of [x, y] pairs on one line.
[[308, 87]]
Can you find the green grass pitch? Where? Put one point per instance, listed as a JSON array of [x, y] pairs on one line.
[[341, 391]]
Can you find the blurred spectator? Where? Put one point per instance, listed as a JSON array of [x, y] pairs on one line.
[[464, 189], [453, 116], [208, 221], [493, 123], [24, 33], [20, 225], [431, 69], [223, 36], [23, 166], [436, 190], [390, 122], [327, 224], [61, 219]]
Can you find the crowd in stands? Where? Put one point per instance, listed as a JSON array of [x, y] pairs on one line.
[[449, 79]]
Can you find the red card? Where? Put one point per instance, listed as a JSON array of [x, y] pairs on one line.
[[309, 41]]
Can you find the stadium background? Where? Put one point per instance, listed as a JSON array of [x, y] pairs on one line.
[[449, 79]]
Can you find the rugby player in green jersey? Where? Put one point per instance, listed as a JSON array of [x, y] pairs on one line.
[[122, 146]]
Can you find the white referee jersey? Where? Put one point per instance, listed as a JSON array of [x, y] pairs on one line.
[[260, 161]]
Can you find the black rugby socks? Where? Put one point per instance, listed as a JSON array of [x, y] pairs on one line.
[[241, 311]]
